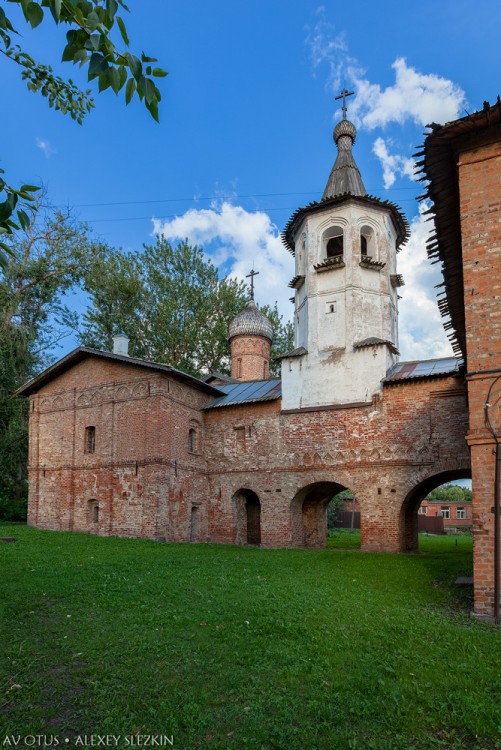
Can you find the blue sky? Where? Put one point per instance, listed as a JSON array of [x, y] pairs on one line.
[[245, 133]]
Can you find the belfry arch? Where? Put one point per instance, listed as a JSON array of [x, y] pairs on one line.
[[409, 511], [309, 513]]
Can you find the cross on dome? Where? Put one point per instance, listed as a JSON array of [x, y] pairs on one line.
[[344, 93], [251, 276]]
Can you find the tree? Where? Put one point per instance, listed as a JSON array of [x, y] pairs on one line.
[[449, 493], [283, 336], [46, 261], [172, 305], [88, 43]]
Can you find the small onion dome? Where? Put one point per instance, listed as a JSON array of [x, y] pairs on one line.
[[345, 127], [251, 322]]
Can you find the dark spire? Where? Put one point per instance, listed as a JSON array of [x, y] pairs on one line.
[[345, 176]]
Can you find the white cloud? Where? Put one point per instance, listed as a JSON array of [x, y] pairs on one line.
[[393, 164], [419, 97], [44, 146], [326, 47], [240, 240], [421, 331]]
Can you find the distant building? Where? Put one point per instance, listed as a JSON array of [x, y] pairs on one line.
[[456, 513]]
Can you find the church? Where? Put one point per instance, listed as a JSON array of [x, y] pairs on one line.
[[128, 447]]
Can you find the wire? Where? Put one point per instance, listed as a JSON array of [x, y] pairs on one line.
[[219, 197]]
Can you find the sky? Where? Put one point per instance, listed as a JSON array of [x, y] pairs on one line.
[[245, 133]]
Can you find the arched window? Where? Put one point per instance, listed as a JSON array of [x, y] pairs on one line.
[[367, 243], [90, 440], [192, 440], [335, 247], [333, 242]]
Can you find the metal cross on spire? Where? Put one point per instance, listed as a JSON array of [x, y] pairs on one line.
[[251, 275], [344, 93]]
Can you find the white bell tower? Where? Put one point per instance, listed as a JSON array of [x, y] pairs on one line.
[[346, 330]]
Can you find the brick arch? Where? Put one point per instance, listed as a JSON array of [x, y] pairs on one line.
[[408, 521], [308, 510], [247, 514]]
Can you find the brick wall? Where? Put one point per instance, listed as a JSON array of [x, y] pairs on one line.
[[389, 454], [142, 458], [250, 357], [479, 166], [254, 473]]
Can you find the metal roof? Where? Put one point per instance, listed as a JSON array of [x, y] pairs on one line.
[[247, 392], [430, 368]]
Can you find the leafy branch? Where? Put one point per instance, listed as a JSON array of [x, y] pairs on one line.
[[89, 44]]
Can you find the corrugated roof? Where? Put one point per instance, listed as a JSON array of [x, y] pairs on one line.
[[430, 368], [247, 392]]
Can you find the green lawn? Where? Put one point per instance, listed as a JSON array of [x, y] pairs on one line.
[[232, 647]]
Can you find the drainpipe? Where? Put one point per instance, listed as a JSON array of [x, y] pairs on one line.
[[497, 524], [497, 506]]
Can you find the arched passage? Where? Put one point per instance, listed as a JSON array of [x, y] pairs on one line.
[[409, 510], [248, 517], [309, 513]]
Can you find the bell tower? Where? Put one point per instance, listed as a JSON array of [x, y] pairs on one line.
[[345, 288]]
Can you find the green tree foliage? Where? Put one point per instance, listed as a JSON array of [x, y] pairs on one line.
[[448, 493], [172, 305], [283, 336], [46, 261], [89, 42]]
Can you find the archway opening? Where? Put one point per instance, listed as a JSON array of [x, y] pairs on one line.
[[411, 516], [248, 517], [343, 521], [311, 514]]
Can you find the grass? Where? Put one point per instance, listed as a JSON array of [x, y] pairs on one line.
[[232, 647]]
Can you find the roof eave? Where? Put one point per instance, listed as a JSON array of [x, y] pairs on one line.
[[81, 352], [292, 226]]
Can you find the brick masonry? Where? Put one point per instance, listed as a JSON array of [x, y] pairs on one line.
[[479, 169], [254, 474]]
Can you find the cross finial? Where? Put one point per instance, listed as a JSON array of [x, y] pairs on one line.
[[344, 93], [251, 275]]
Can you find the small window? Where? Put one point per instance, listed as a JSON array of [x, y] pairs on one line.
[[239, 367], [331, 308], [445, 511], [94, 511], [423, 509], [239, 439], [363, 245], [265, 368], [90, 440], [461, 513], [192, 440]]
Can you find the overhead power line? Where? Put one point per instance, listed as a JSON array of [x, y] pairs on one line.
[[194, 199]]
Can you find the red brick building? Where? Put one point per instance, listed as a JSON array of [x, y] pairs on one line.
[[456, 514], [127, 447], [462, 161]]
